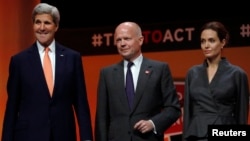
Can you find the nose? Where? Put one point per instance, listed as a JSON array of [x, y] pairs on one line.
[[42, 26], [123, 42], [206, 44]]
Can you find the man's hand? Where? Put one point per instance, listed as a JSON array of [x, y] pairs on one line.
[[144, 126]]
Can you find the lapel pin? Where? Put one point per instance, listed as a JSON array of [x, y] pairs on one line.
[[147, 71], [61, 55]]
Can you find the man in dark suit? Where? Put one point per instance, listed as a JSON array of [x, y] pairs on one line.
[[32, 112], [155, 105]]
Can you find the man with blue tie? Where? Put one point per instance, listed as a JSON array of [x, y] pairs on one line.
[[140, 108], [41, 109]]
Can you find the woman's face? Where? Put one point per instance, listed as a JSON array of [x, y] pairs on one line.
[[211, 45]]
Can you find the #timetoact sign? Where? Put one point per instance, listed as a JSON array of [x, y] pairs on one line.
[[157, 37]]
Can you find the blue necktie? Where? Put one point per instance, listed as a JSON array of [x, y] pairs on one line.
[[130, 85]]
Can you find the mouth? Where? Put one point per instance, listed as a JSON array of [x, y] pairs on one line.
[[206, 51], [124, 49], [42, 33]]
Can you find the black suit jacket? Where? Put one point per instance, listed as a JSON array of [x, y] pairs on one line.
[[31, 114], [155, 99]]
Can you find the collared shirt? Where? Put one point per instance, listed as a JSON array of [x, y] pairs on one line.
[[135, 69]]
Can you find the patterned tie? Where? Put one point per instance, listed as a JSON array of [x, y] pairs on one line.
[[47, 69], [130, 85]]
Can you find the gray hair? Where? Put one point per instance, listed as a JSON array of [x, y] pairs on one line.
[[44, 8]]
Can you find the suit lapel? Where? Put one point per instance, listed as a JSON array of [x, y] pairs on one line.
[[118, 73], [60, 58], [35, 60], [36, 66], [145, 73]]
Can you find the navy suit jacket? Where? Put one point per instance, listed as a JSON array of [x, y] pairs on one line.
[[31, 114], [155, 99]]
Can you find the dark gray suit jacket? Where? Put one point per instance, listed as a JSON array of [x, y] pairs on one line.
[[225, 100], [31, 114], [155, 99]]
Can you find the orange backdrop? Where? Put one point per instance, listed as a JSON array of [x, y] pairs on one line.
[[16, 34]]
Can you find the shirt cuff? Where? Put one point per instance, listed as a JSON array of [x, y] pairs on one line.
[[153, 126]]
